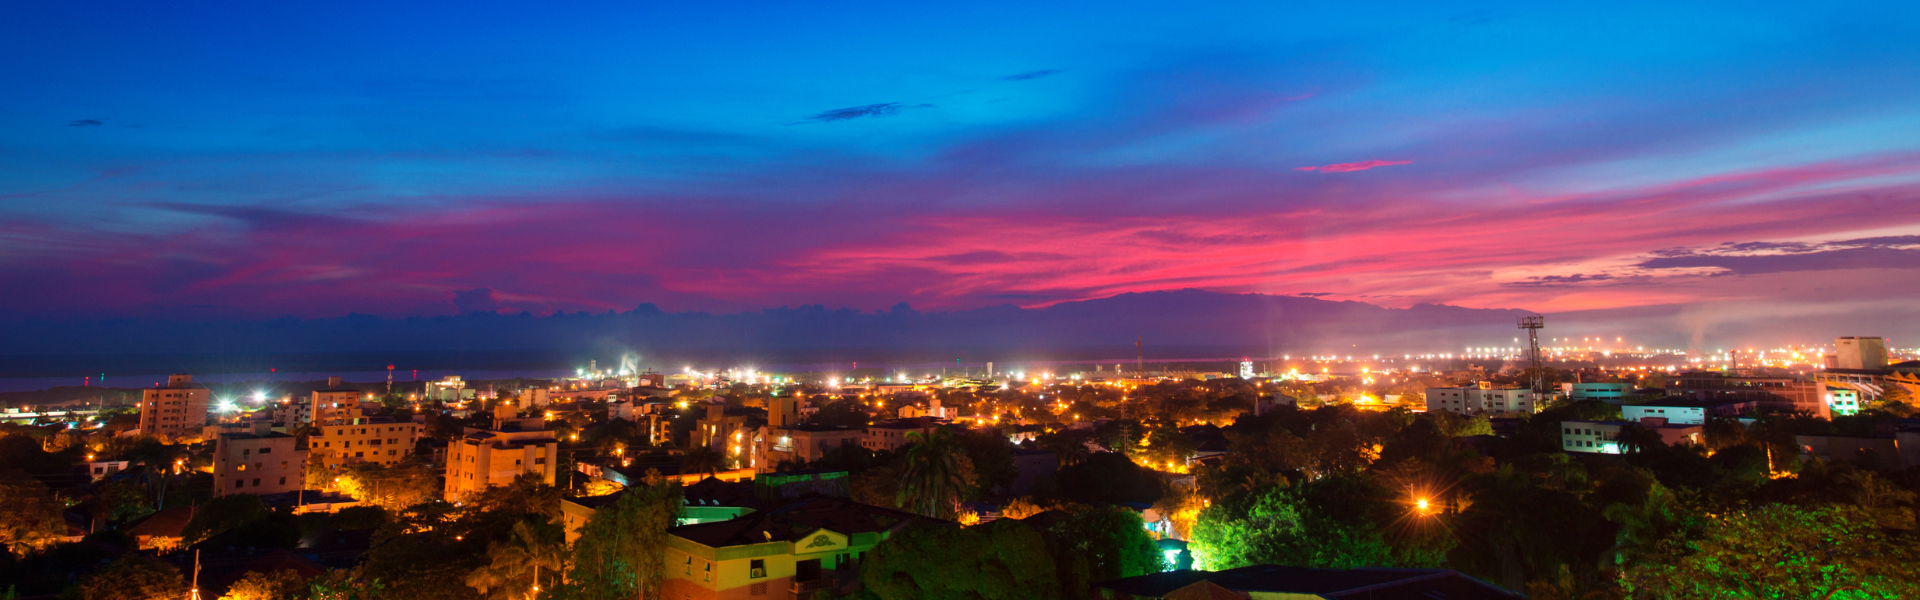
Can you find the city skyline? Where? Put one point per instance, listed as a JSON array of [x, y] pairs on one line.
[[1670, 164]]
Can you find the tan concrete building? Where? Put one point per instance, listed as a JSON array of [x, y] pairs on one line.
[[261, 462], [179, 408], [331, 403], [351, 437], [892, 435], [488, 457], [785, 439], [720, 431]]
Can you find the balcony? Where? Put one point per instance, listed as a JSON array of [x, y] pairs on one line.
[[799, 587]]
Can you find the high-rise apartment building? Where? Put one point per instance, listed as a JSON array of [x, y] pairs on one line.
[[179, 408]]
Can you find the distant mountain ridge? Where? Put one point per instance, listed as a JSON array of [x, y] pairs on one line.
[[1188, 317]]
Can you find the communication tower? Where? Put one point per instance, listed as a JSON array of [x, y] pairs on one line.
[[1140, 355], [1537, 370]]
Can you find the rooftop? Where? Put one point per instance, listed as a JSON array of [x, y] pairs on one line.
[[794, 521]]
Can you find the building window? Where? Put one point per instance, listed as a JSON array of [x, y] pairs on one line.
[[757, 569]]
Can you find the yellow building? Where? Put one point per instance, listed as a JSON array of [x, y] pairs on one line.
[[786, 553], [490, 457], [349, 437], [179, 408]]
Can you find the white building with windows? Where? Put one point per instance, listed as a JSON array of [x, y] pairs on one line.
[[1610, 392], [1479, 400], [1603, 437]]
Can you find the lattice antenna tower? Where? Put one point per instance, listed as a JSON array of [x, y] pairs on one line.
[[1532, 325]]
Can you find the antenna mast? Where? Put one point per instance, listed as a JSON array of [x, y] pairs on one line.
[[1532, 325]]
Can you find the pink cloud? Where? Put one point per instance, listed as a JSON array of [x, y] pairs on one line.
[[1353, 166]]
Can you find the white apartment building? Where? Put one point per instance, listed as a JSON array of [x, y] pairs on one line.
[[1479, 400]]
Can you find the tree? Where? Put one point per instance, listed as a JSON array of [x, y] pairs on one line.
[[426, 552], [32, 517], [621, 552], [393, 488], [222, 514], [1634, 438], [1023, 507], [527, 494], [133, 577], [845, 412], [935, 475], [1274, 525], [514, 564], [1002, 560], [1644, 525], [992, 459], [703, 460], [284, 584], [1780, 551], [1101, 543], [1110, 477], [343, 584]]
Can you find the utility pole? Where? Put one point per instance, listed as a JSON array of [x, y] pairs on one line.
[[194, 592]]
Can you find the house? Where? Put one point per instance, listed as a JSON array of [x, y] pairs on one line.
[[789, 552], [1301, 583], [162, 530]]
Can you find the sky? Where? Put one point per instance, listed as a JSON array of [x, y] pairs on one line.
[[213, 159]]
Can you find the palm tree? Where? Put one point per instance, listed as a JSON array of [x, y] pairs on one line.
[[514, 564], [937, 475], [1642, 526], [704, 460]]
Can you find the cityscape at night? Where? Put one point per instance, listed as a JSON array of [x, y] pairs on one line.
[[1119, 301]]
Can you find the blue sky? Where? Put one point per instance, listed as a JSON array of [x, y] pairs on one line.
[[318, 159]]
